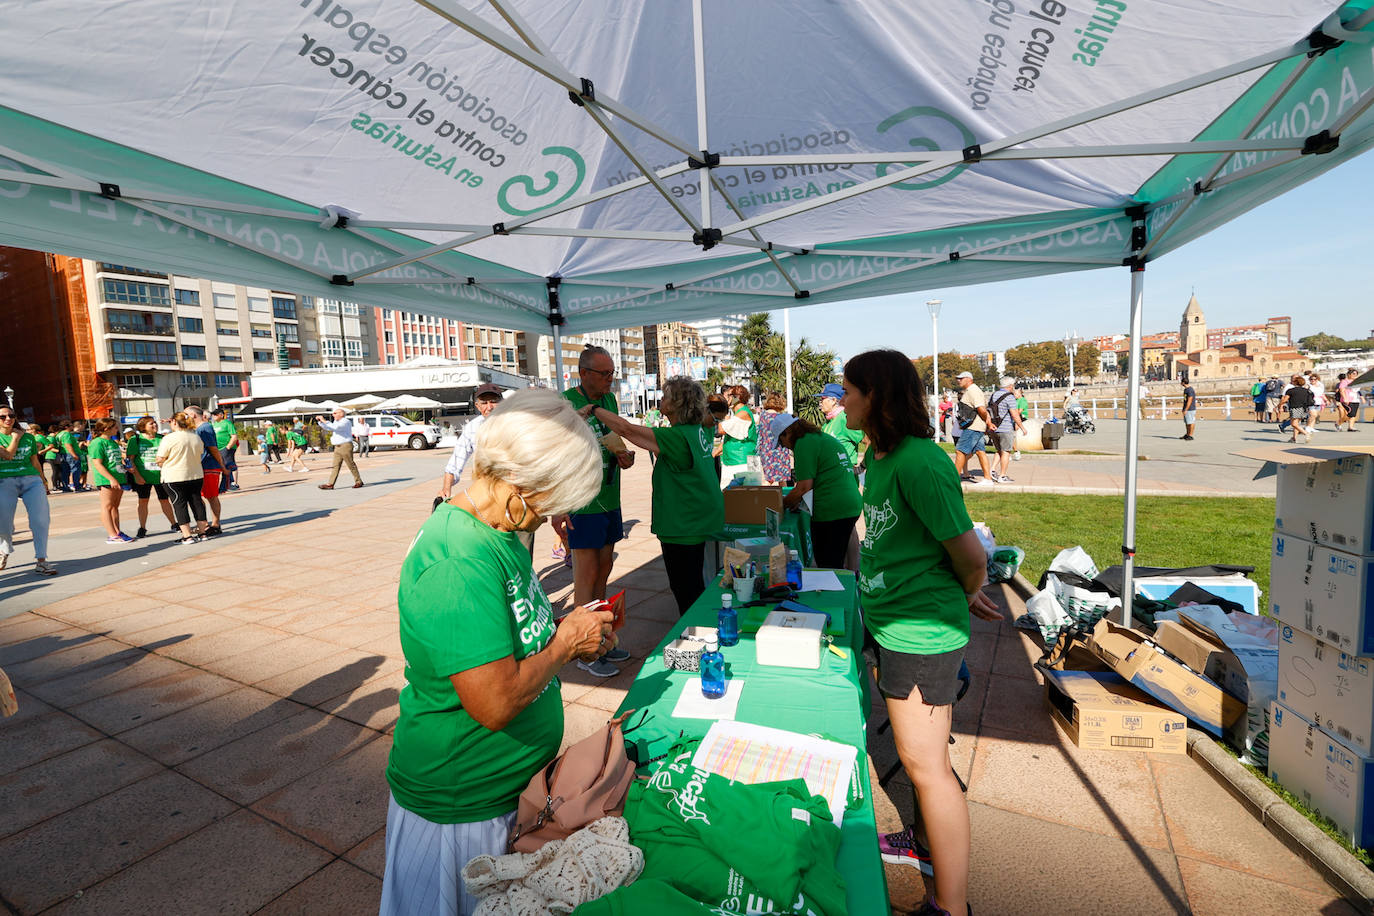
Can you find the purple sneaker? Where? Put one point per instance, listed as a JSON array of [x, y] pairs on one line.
[[931, 908], [903, 848]]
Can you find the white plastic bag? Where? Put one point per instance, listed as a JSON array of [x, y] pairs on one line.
[[1044, 614], [985, 537], [1075, 560]]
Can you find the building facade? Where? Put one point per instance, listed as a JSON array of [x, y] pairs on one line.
[[401, 336], [679, 347], [1246, 357], [625, 345], [720, 335]]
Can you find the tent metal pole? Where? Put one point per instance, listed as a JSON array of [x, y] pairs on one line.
[[1132, 441], [699, 54], [787, 353], [557, 358]]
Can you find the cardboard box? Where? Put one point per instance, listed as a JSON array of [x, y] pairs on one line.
[[1328, 687], [746, 505], [1329, 502], [1132, 656], [1098, 710], [1325, 592], [1330, 777]]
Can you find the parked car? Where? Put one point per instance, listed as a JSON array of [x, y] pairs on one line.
[[390, 430]]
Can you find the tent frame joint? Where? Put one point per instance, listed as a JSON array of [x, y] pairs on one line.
[[587, 94], [708, 160], [109, 190], [1135, 262], [1320, 144], [954, 256], [556, 317], [973, 153], [340, 280], [1319, 42], [802, 294], [499, 229], [707, 238], [1199, 190]]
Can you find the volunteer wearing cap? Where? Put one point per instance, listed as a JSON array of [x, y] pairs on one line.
[[835, 427], [481, 711], [921, 576], [971, 414], [486, 397], [821, 467], [741, 435], [688, 506]]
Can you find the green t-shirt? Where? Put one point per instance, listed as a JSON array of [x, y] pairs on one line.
[[82, 450], [271, 435], [66, 439], [1021, 405], [107, 450], [296, 437], [912, 501], [609, 497], [823, 460], [142, 449], [688, 506], [224, 431], [468, 596], [737, 451], [849, 438], [21, 465]]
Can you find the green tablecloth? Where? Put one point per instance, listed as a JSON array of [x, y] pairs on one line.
[[794, 528], [829, 702]]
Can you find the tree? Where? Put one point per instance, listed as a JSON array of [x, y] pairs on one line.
[[715, 380], [1322, 341], [812, 370], [1088, 360], [951, 364], [759, 351]]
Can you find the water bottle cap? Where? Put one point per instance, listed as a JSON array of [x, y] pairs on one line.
[[713, 646], [792, 554], [727, 599]]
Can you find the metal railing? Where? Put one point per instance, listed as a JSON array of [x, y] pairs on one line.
[[1225, 407]]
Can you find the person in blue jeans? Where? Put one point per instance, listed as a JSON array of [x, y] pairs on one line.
[[21, 478]]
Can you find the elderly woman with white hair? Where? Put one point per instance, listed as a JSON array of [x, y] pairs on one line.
[[688, 508], [481, 710]]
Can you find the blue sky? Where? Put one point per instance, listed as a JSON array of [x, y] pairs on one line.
[[1305, 254]]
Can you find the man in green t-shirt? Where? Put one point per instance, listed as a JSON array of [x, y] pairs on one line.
[[594, 529], [834, 424], [68, 440], [227, 438]]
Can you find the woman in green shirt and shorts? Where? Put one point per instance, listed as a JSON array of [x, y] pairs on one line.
[[107, 474], [921, 573], [147, 476], [687, 505], [481, 711]]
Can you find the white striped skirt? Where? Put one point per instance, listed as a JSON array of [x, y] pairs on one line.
[[424, 862]]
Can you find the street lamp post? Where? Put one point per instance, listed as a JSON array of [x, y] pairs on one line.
[[934, 306], [9, 396], [1071, 342]]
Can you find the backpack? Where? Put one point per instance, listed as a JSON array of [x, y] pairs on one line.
[[1256, 389], [995, 403], [965, 414]]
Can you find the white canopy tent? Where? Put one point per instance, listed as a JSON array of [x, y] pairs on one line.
[[576, 166], [363, 402], [408, 402], [291, 406]]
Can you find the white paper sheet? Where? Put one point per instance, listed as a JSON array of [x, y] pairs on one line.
[[693, 704], [820, 580]]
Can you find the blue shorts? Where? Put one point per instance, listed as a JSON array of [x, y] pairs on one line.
[[594, 530], [970, 441]]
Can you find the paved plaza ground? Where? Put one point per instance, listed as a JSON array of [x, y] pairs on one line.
[[204, 729]]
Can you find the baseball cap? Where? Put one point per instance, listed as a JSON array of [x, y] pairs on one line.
[[489, 389], [216, 410], [965, 374], [831, 390], [778, 424]]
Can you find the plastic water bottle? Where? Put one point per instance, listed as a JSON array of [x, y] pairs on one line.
[[794, 570], [727, 621], [712, 672]]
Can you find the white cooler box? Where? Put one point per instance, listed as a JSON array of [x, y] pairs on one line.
[[790, 639], [1329, 777], [1328, 687], [1329, 502], [1325, 592]]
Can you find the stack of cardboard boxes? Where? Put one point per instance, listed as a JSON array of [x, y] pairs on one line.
[[1321, 588]]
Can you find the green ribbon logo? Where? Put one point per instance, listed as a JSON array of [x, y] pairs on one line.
[[531, 187], [931, 120]]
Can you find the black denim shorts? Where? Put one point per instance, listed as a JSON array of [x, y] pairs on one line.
[[936, 675]]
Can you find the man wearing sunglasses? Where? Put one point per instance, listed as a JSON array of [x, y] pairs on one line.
[[594, 529], [21, 477]]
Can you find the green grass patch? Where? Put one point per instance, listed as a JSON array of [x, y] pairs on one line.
[[1170, 530]]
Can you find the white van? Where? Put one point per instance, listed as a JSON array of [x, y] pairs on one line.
[[390, 430]]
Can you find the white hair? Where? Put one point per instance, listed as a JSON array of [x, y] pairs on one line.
[[1007, 380], [535, 441]]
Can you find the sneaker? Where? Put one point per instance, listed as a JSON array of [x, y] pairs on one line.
[[4, 560], [931, 908], [617, 655], [902, 848], [558, 553], [142, 533], [980, 481], [193, 539], [567, 559], [1005, 479], [213, 531], [44, 568], [599, 668], [1015, 456], [125, 539], [115, 539], [174, 529]]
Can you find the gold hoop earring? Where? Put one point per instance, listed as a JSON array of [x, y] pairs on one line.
[[524, 511]]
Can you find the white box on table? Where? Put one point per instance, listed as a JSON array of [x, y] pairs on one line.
[[790, 639], [1327, 593], [1330, 777], [1329, 502], [1327, 686]]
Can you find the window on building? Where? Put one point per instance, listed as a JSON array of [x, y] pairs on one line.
[[230, 355], [332, 346], [187, 296], [125, 269], [312, 346], [138, 384], [191, 325], [141, 293], [390, 360], [308, 303], [510, 354], [453, 342], [354, 348], [193, 380], [350, 308], [389, 336], [226, 381], [142, 351], [189, 351], [118, 321], [283, 308], [367, 349], [292, 332], [262, 356], [259, 330], [227, 329], [329, 306], [225, 301], [386, 314], [405, 336], [258, 304]]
